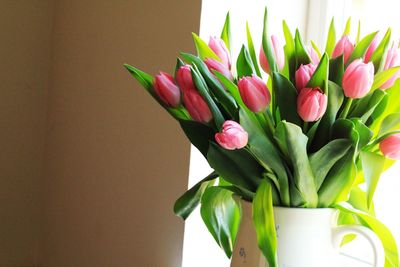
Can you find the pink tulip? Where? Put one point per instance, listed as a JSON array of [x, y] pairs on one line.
[[167, 90], [313, 55], [184, 78], [218, 46], [254, 93], [303, 75], [392, 60], [358, 79], [311, 104], [278, 53], [371, 49], [343, 47], [196, 106], [213, 64], [233, 136], [390, 146]]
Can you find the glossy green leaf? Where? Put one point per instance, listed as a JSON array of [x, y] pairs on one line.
[[388, 241], [321, 75], [316, 48], [232, 88], [268, 50], [377, 56], [361, 47], [226, 32], [244, 64], [345, 128], [190, 199], [364, 133], [296, 144], [336, 69], [236, 166], [199, 134], [364, 107], [286, 98], [289, 51], [203, 50], [252, 50], [331, 40], [347, 27], [381, 77], [339, 181], [372, 166], [390, 123], [323, 160], [264, 223], [301, 53], [358, 32], [221, 214]]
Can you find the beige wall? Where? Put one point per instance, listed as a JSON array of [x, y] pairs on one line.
[[25, 50], [115, 161]]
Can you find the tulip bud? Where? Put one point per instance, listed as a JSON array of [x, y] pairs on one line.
[[218, 46], [313, 55], [371, 49], [213, 64], [390, 146], [233, 136], [303, 75], [184, 78], [358, 79], [311, 104], [167, 90], [196, 106], [278, 53], [254, 93], [343, 47], [392, 60]]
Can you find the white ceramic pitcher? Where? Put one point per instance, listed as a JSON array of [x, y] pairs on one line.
[[306, 238]]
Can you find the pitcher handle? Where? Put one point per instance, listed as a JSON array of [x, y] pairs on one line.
[[379, 254]]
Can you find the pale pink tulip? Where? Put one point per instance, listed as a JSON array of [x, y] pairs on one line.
[[344, 47], [311, 104], [196, 106], [218, 46], [392, 60], [390, 147], [303, 75], [278, 53], [371, 49], [254, 93], [167, 90], [213, 64], [184, 78], [232, 136], [358, 79]]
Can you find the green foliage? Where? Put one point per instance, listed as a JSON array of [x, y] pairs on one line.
[[331, 40], [226, 32], [244, 63], [252, 50], [203, 50]]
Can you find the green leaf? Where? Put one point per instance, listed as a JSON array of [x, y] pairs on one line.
[[232, 88], [387, 239], [203, 90], [252, 50], [336, 69], [286, 98], [289, 51], [358, 32], [236, 166], [323, 160], [381, 77], [198, 134], [263, 218], [321, 75], [347, 28], [221, 214], [302, 56], [331, 40], [296, 143], [377, 56], [266, 153], [345, 128], [190, 199], [390, 123], [203, 50], [244, 64], [364, 133], [146, 80], [361, 47], [316, 48], [364, 107], [339, 181], [226, 32], [372, 166], [269, 54]]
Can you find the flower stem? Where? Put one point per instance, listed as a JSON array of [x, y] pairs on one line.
[[305, 127], [346, 108]]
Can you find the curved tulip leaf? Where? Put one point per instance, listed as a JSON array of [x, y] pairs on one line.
[[358, 32], [190, 199], [336, 69], [339, 181], [203, 50], [263, 218], [331, 41], [345, 128], [252, 50], [383, 76], [289, 51], [387, 239], [237, 167], [286, 98], [390, 123], [244, 63], [321, 75], [266, 44], [361, 47], [302, 56], [226, 32], [372, 166], [232, 88], [316, 48], [221, 214], [199, 134], [323, 160], [377, 56], [347, 28], [364, 107], [296, 144], [364, 133]]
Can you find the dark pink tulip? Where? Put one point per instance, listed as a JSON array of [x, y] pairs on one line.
[[218, 46], [167, 90], [254, 93], [196, 106], [278, 53], [232, 136], [303, 75], [313, 55], [311, 104], [390, 147], [344, 47], [392, 60], [213, 64], [184, 78], [358, 79], [371, 49]]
